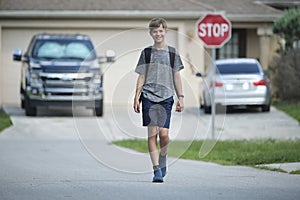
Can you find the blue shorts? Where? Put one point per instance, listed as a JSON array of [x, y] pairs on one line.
[[157, 114]]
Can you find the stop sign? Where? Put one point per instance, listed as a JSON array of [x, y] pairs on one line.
[[214, 30]]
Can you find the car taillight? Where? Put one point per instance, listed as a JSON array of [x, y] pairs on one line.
[[217, 84], [260, 83]]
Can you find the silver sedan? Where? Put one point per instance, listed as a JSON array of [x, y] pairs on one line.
[[239, 82]]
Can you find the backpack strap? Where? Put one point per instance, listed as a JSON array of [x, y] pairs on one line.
[[148, 54], [147, 59], [172, 53]]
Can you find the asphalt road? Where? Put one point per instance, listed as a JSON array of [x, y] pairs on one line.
[[58, 156]]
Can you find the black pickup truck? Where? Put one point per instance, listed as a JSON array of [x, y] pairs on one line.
[[61, 70]]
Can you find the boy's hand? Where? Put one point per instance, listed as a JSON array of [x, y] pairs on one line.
[[136, 105], [179, 105]]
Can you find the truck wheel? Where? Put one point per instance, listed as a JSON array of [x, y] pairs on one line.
[[22, 93], [99, 108], [22, 104], [29, 110]]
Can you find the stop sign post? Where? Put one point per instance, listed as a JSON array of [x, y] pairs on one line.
[[214, 30]]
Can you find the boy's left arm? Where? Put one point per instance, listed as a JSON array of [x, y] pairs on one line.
[[179, 92]]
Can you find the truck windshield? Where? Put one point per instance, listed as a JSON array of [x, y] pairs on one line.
[[64, 49]]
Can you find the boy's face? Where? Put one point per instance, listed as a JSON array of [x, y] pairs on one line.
[[158, 34]]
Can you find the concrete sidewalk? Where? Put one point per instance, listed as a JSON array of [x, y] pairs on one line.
[[286, 167]]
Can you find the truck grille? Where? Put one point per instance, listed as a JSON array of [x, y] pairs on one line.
[[67, 84]]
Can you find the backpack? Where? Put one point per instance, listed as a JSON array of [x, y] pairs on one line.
[[171, 55]]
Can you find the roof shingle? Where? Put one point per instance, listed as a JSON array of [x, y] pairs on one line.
[[242, 10], [230, 6]]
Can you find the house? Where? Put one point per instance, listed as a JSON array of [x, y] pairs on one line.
[[121, 25]]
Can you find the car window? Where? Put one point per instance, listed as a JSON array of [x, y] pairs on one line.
[[238, 68]]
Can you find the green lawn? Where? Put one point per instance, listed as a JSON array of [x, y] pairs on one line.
[[4, 120], [292, 109], [295, 172], [237, 152]]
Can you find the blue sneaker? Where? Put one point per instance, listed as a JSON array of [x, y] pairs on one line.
[[158, 178], [163, 171], [163, 164]]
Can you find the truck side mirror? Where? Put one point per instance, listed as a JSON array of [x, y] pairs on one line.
[[110, 56], [17, 55]]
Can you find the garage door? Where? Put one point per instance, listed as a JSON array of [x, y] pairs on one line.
[[119, 77]]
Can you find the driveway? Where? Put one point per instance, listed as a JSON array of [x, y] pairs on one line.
[[58, 156]]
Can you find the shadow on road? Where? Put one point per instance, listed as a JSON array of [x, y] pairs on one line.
[[236, 110], [52, 111]]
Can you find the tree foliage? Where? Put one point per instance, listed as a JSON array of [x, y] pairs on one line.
[[286, 67], [288, 26]]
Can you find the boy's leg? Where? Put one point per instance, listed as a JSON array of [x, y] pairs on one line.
[[164, 142], [153, 151], [152, 144]]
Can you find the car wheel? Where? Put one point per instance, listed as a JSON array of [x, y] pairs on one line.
[[29, 110], [207, 109], [265, 108], [99, 108]]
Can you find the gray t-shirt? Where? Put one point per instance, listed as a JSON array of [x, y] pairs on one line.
[[159, 83]]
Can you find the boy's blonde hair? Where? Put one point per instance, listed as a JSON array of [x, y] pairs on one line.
[[156, 22]]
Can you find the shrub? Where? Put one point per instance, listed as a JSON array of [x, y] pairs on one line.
[[286, 75]]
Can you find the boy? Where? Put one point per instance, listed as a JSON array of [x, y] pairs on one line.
[[159, 74]]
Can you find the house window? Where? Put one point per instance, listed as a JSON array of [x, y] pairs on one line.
[[235, 47]]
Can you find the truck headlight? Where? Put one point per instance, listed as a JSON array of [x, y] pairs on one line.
[[94, 65], [35, 80], [97, 79], [35, 65], [34, 76]]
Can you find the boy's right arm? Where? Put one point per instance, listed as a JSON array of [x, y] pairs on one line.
[[139, 86]]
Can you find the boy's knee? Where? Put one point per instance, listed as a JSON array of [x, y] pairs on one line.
[[164, 135]]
